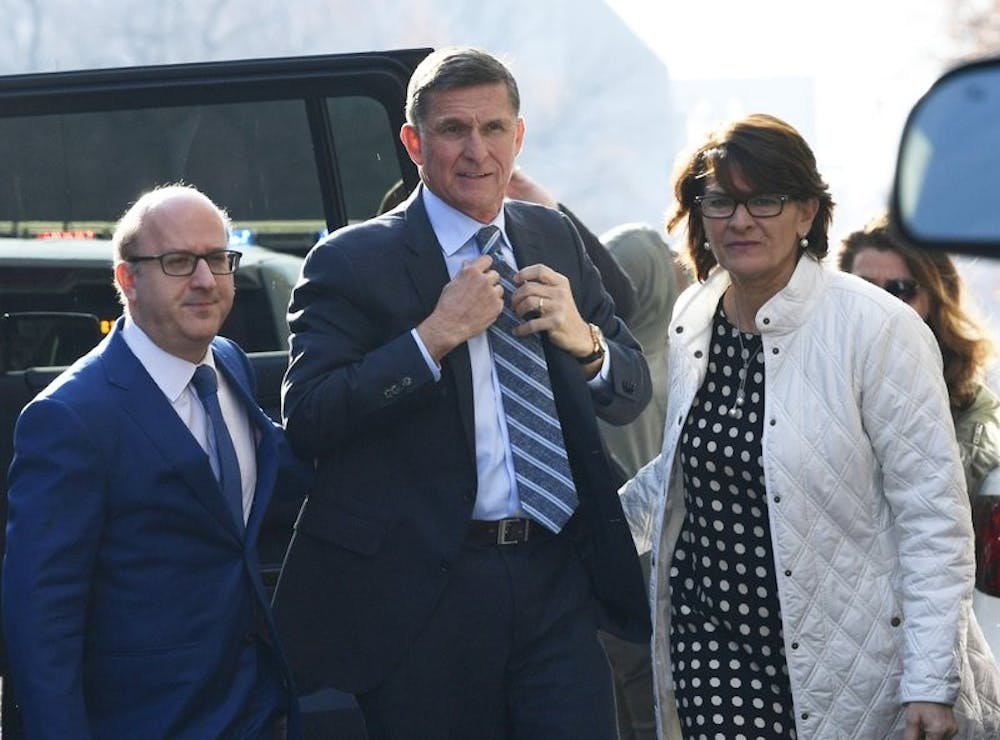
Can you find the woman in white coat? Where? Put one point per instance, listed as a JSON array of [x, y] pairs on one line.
[[811, 537]]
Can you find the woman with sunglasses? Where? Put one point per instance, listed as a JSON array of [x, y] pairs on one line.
[[810, 533], [930, 283]]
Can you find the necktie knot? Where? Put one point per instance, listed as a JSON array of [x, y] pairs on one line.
[[488, 239], [204, 381]]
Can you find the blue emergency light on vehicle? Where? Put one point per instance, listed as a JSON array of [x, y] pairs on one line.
[[242, 238]]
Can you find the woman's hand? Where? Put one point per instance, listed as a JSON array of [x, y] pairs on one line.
[[926, 720]]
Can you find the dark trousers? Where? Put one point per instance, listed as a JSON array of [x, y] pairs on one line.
[[632, 673], [510, 653]]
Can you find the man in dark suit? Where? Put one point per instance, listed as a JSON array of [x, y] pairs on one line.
[[133, 605], [424, 575]]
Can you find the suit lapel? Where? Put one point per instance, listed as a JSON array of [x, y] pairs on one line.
[[429, 273], [527, 243], [529, 246], [143, 401]]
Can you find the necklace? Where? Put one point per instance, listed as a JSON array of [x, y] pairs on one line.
[[736, 410]]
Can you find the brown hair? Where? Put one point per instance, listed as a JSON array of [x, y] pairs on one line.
[[768, 155], [965, 346]]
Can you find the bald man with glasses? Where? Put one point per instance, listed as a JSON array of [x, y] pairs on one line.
[[133, 604]]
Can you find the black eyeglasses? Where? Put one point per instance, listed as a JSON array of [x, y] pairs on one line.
[[720, 205], [182, 264], [905, 289]]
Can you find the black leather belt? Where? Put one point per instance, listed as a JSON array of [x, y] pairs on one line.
[[504, 531]]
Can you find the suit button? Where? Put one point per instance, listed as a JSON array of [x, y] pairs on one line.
[[445, 566], [895, 621], [406, 382]]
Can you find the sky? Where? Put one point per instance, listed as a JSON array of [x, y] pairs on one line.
[[845, 74]]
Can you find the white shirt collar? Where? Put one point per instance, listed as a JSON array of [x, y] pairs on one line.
[[453, 228], [171, 373]]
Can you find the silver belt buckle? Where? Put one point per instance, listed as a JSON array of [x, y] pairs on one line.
[[509, 531]]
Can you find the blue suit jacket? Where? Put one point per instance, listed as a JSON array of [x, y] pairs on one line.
[[396, 460], [129, 593]]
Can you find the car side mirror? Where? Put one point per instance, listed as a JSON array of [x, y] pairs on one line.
[[45, 338], [946, 192]]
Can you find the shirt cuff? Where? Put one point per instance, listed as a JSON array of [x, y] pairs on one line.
[[431, 365], [603, 378]]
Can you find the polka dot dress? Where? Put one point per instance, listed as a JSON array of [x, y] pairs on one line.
[[730, 675]]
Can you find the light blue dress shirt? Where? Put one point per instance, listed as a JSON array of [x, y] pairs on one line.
[[497, 496]]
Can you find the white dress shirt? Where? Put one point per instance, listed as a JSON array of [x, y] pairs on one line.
[[173, 376]]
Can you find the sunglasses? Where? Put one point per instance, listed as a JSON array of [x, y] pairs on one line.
[[905, 289]]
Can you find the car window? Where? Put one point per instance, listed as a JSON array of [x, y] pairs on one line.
[[257, 321], [75, 173]]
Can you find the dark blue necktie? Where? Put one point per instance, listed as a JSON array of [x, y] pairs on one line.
[[544, 480], [207, 386]]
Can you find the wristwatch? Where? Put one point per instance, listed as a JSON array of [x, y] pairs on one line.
[[600, 346]]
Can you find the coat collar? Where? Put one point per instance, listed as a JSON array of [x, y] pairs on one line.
[[784, 312]]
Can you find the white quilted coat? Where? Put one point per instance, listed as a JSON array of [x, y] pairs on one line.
[[868, 512]]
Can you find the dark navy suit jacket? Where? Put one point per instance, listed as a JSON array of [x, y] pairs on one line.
[[396, 467], [130, 595]]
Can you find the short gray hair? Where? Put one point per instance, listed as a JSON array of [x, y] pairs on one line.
[[452, 68]]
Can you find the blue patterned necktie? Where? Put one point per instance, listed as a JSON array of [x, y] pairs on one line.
[[207, 387], [544, 480]]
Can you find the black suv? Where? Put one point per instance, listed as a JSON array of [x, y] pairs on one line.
[[292, 148]]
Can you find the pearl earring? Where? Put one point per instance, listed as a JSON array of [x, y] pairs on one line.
[[804, 242], [705, 245]]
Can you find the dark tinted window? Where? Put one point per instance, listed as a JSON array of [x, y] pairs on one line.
[[366, 153], [79, 171]]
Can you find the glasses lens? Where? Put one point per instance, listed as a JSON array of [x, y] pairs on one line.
[[765, 205], [905, 290], [222, 262], [717, 206], [178, 263]]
